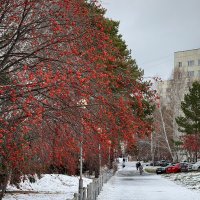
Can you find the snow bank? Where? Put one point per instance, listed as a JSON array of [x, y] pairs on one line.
[[50, 182], [190, 180], [50, 186]]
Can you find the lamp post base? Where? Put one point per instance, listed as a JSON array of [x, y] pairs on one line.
[[80, 189]]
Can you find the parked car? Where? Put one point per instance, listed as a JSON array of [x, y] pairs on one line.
[[186, 167], [155, 163], [196, 166], [190, 166], [162, 170], [164, 163], [174, 168]]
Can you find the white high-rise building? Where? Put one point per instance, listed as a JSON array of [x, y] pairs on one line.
[[186, 71], [188, 62]]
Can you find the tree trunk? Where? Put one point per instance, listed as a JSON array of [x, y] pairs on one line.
[[165, 134], [4, 186]]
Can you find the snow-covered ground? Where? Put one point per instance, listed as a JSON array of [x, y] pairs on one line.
[[190, 180], [49, 187], [127, 184]]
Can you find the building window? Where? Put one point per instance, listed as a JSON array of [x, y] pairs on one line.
[[199, 62], [191, 73], [179, 64], [191, 63], [199, 73]]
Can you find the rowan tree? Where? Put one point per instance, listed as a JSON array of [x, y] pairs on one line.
[[64, 79], [48, 52]]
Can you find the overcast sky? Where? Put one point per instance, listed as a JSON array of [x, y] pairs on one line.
[[155, 29]]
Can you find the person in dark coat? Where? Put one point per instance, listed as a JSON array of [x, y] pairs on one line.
[[123, 164], [138, 164]]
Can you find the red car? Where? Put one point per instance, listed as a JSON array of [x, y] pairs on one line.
[[174, 169]]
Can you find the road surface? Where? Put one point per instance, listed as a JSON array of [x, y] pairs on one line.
[[127, 184]]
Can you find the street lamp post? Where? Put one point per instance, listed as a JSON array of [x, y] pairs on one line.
[[100, 159], [99, 130], [109, 149], [81, 170], [82, 102]]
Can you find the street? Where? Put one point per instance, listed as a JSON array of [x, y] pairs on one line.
[[127, 184]]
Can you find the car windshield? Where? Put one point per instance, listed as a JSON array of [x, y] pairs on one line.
[[169, 165], [184, 164]]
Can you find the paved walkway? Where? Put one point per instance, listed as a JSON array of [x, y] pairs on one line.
[[127, 184]]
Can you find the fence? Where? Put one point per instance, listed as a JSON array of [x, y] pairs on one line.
[[93, 189]]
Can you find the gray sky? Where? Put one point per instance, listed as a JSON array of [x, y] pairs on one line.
[[155, 29]]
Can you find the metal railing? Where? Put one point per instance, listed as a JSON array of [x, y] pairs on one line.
[[93, 189]]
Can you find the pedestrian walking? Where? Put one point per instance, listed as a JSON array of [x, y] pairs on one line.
[[138, 164], [140, 169], [123, 164]]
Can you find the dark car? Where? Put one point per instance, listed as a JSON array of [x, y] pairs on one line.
[[155, 163], [162, 170], [164, 163], [185, 167]]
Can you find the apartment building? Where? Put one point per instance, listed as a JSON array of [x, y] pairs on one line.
[[186, 71], [188, 62]]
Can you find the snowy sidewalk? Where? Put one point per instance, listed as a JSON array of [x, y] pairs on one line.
[[127, 184]]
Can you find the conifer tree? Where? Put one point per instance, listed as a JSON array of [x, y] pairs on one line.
[[189, 123]]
